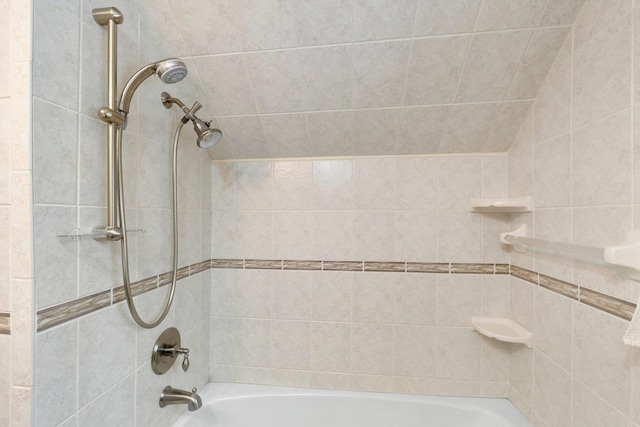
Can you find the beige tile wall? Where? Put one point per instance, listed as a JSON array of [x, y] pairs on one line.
[[406, 332], [576, 155], [16, 259], [69, 155]]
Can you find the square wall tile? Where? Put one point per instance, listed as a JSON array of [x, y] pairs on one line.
[[458, 354], [56, 261], [491, 65], [551, 391], [379, 73], [446, 16], [56, 393], [373, 295], [291, 294], [459, 298], [607, 181], [372, 349], [415, 351], [415, 301], [55, 145], [331, 347], [98, 372], [332, 296], [599, 356], [602, 74], [434, 69], [383, 19], [374, 183]]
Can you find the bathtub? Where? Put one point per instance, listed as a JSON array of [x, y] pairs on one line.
[[241, 405]]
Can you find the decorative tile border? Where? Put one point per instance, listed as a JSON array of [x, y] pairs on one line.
[[167, 278], [227, 263], [263, 264], [5, 323], [472, 268], [428, 267], [555, 285], [342, 265], [137, 288], [58, 314], [617, 307], [73, 309], [396, 267], [611, 305], [301, 265], [64, 312], [524, 274], [502, 269]]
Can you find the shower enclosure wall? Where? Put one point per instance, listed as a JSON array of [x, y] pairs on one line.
[[575, 154]]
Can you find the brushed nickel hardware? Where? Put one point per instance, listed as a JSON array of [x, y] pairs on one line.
[[207, 136], [165, 351], [115, 114], [110, 116], [174, 396], [98, 233]]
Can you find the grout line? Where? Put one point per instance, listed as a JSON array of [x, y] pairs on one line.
[[344, 110], [380, 41]]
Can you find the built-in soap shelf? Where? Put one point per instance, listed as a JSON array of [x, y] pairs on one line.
[[503, 330], [515, 204]]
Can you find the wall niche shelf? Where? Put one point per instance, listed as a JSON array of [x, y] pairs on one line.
[[515, 205], [503, 330]]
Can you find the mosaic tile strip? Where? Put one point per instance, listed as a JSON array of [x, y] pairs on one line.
[[397, 267], [61, 313], [615, 306], [427, 267], [342, 265], [301, 265], [502, 268], [558, 286], [265, 264], [524, 274], [167, 278], [199, 267], [73, 309], [462, 268], [70, 310], [227, 263], [5, 323], [137, 288]]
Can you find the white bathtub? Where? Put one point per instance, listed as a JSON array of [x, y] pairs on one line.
[[240, 405]]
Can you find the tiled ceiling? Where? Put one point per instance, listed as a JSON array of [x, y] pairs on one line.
[[302, 78]]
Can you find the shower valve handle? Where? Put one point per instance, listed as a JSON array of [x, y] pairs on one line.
[[173, 352]]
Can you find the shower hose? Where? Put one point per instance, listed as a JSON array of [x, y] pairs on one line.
[[124, 240]]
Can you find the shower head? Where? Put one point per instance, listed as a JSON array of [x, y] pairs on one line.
[[169, 71], [207, 136]]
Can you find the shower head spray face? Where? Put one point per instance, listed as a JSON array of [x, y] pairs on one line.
[[207, 137], [171, 71]]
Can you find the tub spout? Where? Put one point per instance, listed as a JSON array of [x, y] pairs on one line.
[[174, 396]]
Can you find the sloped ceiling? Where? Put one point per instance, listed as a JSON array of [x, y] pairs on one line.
[[302, 78]]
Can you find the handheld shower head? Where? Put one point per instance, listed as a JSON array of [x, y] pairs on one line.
[[169, 71]]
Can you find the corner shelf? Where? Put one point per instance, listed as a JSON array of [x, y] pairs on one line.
[[503, 330], [515, 204]]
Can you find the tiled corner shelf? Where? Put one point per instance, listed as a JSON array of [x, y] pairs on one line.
[[503, 330], [515, 205]]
